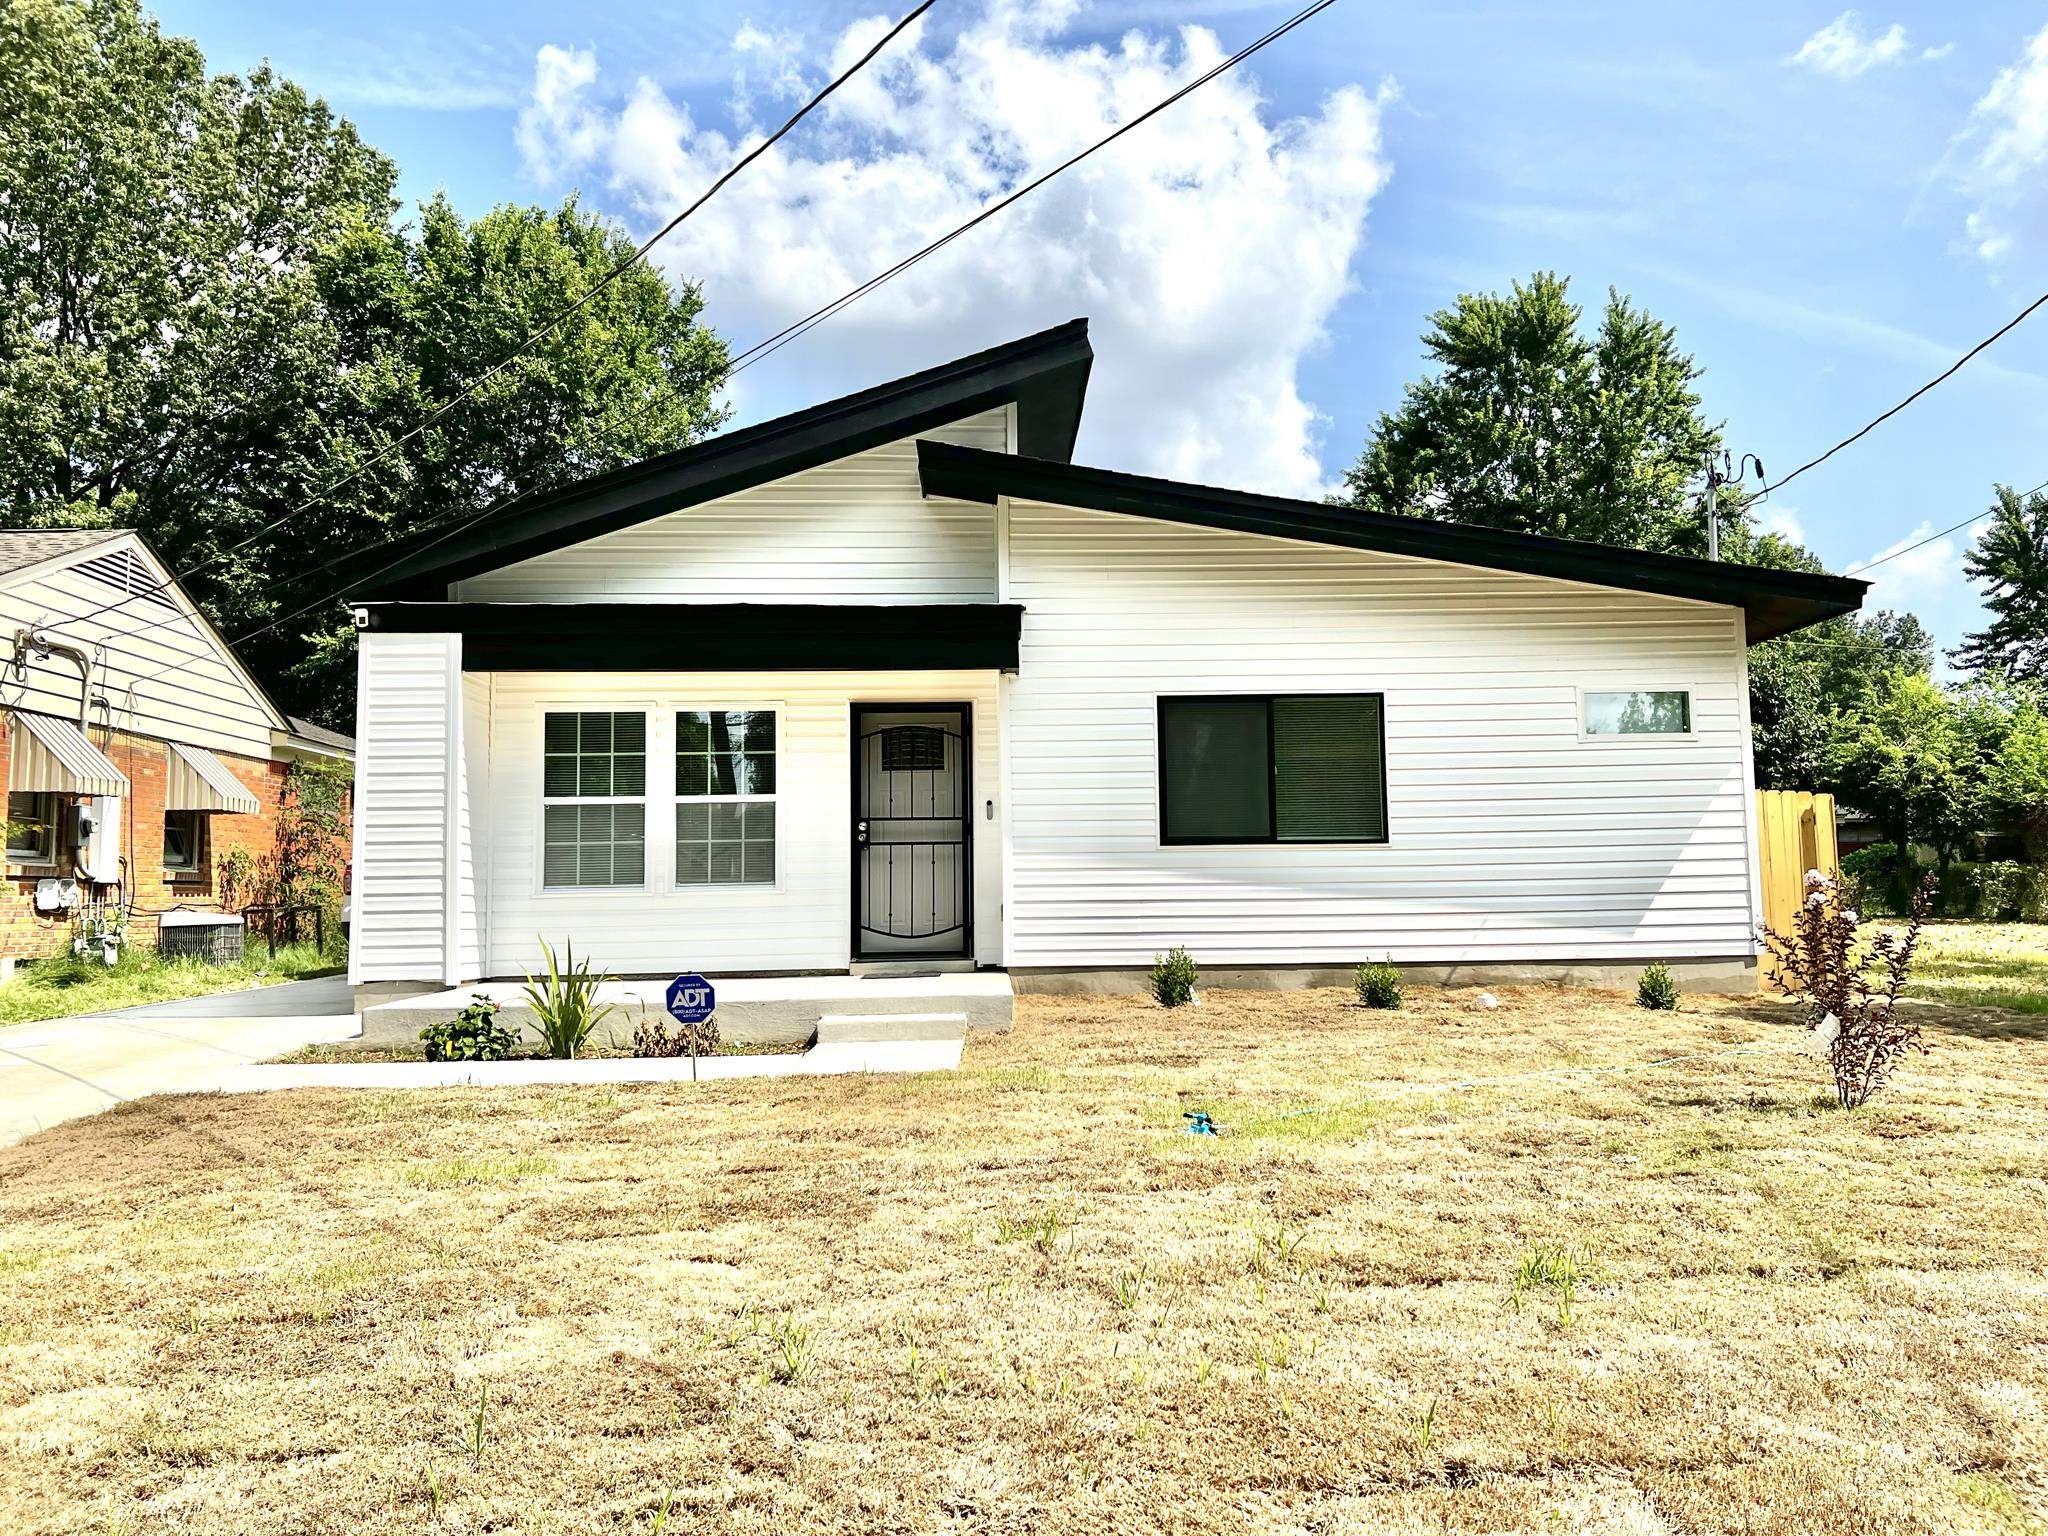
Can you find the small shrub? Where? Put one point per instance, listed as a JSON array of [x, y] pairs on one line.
[[1880, 879], [1655, 988], [1379, 985], [1174, 975], [564, 1002], [472, 1035], [1850, 989], [658, 1035]]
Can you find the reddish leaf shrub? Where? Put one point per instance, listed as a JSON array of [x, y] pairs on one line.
[[657, 1035], [1850, 988]]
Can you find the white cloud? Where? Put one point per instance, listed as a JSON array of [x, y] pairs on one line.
[[1841, 48], [1784, 522], [1931, 54], [1209, 246], [1922, 580], [2007, 142]]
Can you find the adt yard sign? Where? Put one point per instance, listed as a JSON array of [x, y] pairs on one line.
[[691, 1000]]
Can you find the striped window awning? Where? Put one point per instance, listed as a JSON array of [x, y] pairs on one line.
[[199, 781], [52, 756]]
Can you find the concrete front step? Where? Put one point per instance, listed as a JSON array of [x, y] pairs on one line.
[[837, 1028], [764, 1009]]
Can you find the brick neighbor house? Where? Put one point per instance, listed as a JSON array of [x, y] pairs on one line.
[[138, 750]]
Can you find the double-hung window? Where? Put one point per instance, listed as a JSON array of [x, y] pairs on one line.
[[725, 797], [1280, 768], [31, 827], [594, 789], [184, 844]]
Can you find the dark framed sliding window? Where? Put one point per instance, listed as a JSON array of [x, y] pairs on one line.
[[1273, 768]]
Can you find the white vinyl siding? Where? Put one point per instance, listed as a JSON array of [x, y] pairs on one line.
[[412, 897], [858, 530], [163, 671], [800, 922], [1509, 836]]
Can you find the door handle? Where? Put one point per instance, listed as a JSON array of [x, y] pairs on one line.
[[860, 834]]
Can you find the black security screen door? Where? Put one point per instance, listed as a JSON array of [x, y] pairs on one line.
[[912, 830]]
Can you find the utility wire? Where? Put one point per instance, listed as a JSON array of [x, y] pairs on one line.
[[789, 333], [1942, 534], [1880, 420], [546, 328], [770, 344]]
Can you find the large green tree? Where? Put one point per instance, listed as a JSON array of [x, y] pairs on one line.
[[2010, 562], [1531, 424], [208, 318]]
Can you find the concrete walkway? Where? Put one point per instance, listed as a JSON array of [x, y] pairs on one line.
[[59, 1069]]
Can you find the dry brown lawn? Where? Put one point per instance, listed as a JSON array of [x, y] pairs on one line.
[[1019, 1298]]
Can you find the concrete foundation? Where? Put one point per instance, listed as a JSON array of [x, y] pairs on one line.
[[1733, 976], [763, 1010]]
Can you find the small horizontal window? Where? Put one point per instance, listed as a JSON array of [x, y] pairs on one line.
[[1641, 712], [1292, 768]]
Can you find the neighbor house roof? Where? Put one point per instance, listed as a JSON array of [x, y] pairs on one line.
[[1045, 376], [319, 735], [21, 548], [1775, 601]]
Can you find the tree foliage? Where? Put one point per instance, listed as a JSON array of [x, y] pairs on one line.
[[209, 318], [2010, 561], [1533, 426], [1801, 684]]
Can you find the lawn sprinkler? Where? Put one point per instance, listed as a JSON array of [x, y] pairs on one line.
[[1198, 1122]]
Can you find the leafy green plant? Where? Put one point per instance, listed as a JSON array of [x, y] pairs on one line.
[[1174, 975], [1378, 984], [564, 1002], [1557, 1270], [1655, 988], [472, 1035], [795, 1348]]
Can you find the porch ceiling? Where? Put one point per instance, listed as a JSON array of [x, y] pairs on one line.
[[715, 637]]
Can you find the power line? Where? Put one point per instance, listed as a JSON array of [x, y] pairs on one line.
[[1880, 420], [770, 344], [789, 333], [1942, 534], [547, 327]]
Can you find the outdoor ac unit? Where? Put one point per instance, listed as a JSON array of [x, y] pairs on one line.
[[96, 838]]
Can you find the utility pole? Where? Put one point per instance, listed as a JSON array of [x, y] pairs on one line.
[[1724, 470]]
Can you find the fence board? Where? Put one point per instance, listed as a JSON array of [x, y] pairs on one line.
[[1795, 833]]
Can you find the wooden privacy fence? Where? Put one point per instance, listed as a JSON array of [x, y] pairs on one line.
[[1795, 832]]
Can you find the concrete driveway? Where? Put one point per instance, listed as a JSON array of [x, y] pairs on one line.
[[60, 1069]]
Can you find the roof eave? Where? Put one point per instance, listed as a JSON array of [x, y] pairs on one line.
[[1774, 602]]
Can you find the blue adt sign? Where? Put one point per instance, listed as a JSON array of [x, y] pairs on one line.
[[691, 1000]]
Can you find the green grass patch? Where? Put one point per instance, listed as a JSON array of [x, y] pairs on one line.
[[457, 1172], [64, 985], [1330, 1122], [1984, 965]]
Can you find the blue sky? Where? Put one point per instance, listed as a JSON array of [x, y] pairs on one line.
[[1829, 208]]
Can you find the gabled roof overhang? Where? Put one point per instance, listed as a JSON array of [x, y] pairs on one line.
[[715, 637], [1774, 602], [1045, 376]]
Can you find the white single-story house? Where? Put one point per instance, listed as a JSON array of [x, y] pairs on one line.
[[894, 680]]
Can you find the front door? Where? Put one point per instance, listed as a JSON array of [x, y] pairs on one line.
[[913, 860]]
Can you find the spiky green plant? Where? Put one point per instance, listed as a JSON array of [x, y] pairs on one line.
[[564, 1002]]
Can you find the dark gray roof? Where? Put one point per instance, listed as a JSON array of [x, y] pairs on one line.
[[319, 734], [21, 548]]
